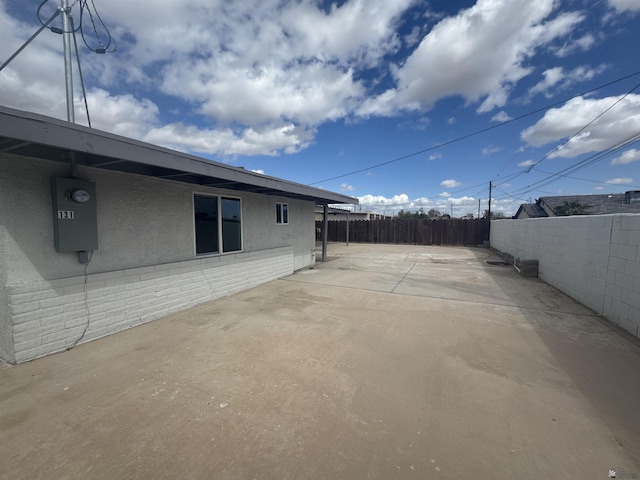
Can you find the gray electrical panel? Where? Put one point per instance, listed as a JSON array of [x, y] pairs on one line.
[[75, 220]]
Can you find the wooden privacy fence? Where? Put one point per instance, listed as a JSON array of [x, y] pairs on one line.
[[409, 231]]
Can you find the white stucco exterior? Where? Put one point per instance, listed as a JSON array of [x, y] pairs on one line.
[[145, 266]]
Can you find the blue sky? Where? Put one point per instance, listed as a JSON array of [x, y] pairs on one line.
[[313, 91]]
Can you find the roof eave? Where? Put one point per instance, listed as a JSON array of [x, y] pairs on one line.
[[24, 131]]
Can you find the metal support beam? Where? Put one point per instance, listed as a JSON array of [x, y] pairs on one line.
[[325, 224]]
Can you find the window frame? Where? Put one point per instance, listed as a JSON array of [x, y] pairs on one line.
[[282, 211], [220, 234]]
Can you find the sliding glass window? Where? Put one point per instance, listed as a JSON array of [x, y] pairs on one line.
[[210, 232]]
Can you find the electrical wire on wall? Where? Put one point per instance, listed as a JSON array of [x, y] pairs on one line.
[[86, 306]]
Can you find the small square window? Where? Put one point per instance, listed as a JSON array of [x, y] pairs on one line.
[[282, 213]]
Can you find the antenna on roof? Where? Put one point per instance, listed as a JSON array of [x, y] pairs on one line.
[[68, 28], [65, 10]]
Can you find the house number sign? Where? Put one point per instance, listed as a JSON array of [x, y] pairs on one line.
[[65, 214]]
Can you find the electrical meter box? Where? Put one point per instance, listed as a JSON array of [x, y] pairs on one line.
[[75, 220]]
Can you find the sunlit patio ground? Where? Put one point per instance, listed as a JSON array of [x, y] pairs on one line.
[[384, 362]]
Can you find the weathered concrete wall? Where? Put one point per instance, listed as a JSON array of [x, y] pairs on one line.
[[142, 223], [593, 258]]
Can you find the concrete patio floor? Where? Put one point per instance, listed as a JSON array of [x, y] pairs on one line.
[[385, 362]]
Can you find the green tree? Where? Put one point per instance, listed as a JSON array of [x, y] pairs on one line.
[[417, 214], [571, 208], [494, 215]]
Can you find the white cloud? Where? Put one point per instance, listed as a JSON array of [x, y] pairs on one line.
[[120, 114], [490, 150], [582, 44], [551, 77], [306, 95], [526, 163], [418, 125], [444, 194], [347, 187], [478, 54], [560, 79], [620, 122], [625, 5], [401, 200], [259, 170], [619, 181], [258, 77], [450, 183], [398, 202], [462, 201], [413, 37], [228, 142], [445, 204], [501, 117], [629, 156], [435, 156]]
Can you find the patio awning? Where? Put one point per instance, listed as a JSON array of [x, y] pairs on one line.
[[33, 135]]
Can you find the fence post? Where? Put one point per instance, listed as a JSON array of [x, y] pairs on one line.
[[348, 228]]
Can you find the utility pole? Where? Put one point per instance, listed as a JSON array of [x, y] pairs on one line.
[[478, 208], [66, 42], [489, 211]]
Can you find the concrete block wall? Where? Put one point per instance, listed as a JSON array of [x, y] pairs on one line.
[[49, 316], [594, 259]]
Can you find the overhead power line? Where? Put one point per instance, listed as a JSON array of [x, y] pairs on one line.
[[619, 145], [478, 132], [614, 148], [584, 179]]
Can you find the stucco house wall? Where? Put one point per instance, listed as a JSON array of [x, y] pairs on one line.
[[145, 266], [595, 259]]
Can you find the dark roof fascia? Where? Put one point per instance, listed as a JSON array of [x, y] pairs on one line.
[[33, 135]]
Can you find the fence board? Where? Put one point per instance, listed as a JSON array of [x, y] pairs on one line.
[[410, 231]]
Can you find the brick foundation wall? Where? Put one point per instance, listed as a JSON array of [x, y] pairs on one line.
[[49, 316]]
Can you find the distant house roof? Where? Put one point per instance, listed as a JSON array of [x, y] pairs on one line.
[[32, 135], [530, 210], [628, 202]]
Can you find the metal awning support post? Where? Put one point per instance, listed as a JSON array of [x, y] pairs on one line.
[[325, 224], [348, 214]]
